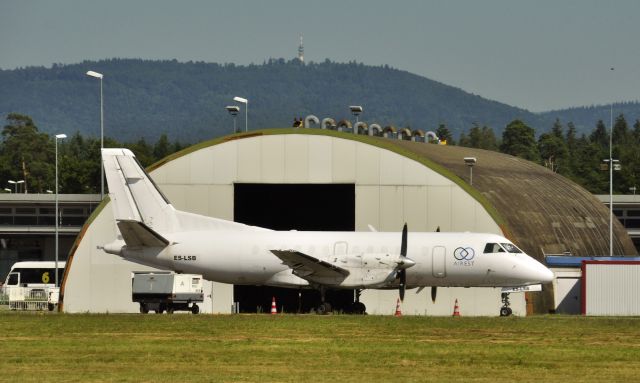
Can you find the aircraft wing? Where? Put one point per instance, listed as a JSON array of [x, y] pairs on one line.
[[306, 266]]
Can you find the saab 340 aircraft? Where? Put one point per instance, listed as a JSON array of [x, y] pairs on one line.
[[154, 233]]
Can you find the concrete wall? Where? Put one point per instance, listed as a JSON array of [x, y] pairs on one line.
[[390, 190]]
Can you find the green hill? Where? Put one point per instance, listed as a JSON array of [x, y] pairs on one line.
[[186, 100]]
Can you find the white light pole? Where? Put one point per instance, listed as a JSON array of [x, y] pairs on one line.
[[611, 162], [58, 137], [246, 111], [100, 76], [15, 184]]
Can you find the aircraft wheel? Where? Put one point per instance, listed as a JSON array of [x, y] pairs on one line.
[[324, 308], [505, 311], [170, 309], [359, 308], [143, 309], [195, 309]]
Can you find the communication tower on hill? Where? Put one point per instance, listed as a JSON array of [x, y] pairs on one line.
[[301, 51]]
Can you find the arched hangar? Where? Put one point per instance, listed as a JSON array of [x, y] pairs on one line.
[[315, 179]]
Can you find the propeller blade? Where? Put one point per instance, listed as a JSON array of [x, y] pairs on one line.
[[434, 292], [403, 256], [438, 229], [403, 283], [403, 246]]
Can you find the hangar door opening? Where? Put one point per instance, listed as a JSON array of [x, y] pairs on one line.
[[303, 207]]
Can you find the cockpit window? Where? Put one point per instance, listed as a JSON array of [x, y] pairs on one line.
[[511, 248], [491, 248]]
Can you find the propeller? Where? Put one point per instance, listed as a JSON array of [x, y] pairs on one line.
[[403, 263], [434, 289]]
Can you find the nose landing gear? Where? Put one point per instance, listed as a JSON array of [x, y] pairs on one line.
[[505, 310]]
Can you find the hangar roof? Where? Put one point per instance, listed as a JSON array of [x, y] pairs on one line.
[[543, 212]]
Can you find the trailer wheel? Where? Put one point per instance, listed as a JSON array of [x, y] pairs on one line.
[[195, 309]]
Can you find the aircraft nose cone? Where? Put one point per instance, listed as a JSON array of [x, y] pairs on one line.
[[546, 275], [538, 272], [405, 263]]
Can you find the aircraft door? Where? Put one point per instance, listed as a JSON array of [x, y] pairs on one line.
[[438, 264], [340, 248]]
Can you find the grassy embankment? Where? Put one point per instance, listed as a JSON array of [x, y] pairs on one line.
[[52, 347]]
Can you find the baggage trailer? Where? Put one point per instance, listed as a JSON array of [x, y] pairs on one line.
[[166, 291]]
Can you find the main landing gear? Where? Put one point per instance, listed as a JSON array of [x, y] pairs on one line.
[[505, 310], [358, 307], [325, 307]]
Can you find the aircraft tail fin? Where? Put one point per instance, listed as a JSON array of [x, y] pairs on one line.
[[136, 198]]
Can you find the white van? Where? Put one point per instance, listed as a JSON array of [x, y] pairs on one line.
[[32, 285], [35, 274]]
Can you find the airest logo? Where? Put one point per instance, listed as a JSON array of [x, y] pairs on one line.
[[464, 256]]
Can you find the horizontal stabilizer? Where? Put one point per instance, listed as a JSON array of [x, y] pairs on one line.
[[304, 265], [137, 234]]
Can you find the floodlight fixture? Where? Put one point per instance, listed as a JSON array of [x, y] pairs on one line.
[[355, 109], [470, 162], [95, 74], [233, 109]]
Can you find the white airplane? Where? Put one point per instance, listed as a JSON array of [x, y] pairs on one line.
[[154, 233]]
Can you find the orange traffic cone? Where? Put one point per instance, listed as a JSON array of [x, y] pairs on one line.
[[274, 310], [456, 309], [398, 311]]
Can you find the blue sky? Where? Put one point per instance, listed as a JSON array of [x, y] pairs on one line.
[[538, 55]]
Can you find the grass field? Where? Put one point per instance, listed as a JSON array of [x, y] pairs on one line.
[[264, 348]]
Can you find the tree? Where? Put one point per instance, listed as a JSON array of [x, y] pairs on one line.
[[443, 133], [620, 130], [556, 130], [553, 151], [600, 136], [518, 139], [161, 148], [27, 154], [482, 138], [143, 152], [464, 140]]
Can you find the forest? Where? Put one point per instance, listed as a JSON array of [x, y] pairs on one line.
[[186, 100], [28, 154]]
